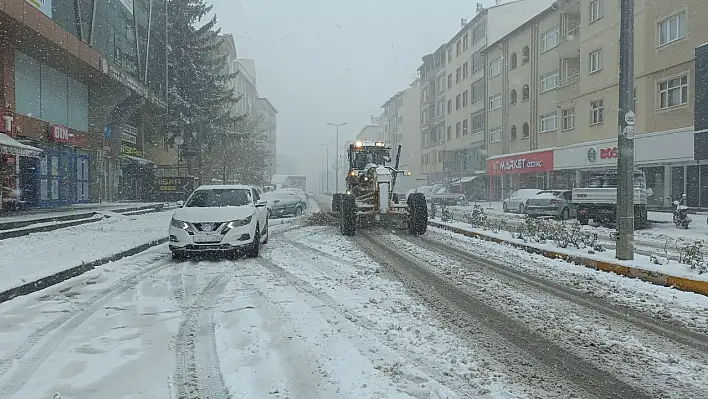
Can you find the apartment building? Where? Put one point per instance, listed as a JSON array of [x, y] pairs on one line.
[[402, 127], [267, 118], [466, 97], [368, 132], [432, 114], [554, 98]]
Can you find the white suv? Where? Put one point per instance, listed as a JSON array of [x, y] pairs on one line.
[[225, 219]]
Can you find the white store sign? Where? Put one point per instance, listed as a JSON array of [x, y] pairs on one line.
[[653, 148]]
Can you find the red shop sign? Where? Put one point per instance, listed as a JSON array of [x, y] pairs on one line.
[[608, 153], [534, 162], [61, 134]]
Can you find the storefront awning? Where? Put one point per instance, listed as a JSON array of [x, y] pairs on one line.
[[136, 160], [10, 146], [465, 179]]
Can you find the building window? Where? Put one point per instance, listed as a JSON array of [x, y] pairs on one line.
[[512, 97], [525, 55], [549, 81], [672, 29], [449, 132], [525, 131], [673, 92], [458, 75], [495, 102], [477, 91], [458, 130], [495, 67], [595, 62], [449, 106], [449, 55], [478, 122], [512, 63], [464, 127], [495, 135], [596, 115], [440, 108], [549, 39], [458, 101], [441, 83], [465, 98], [595, 10], [458, 48], [512, 134], [449, 81], [477, 62], [465, 42], [465, 70], [525, 93], [478, 32], [568, 116], [548, 122]]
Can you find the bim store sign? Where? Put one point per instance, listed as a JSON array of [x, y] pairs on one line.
[[534, 162], [45, 6]]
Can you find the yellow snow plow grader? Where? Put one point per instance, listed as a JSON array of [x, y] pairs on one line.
[[369, 198]]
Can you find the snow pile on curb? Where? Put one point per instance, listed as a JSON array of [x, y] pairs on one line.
[[36, 256]]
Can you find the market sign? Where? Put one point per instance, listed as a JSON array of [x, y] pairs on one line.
[[535, 162], [45, 6]]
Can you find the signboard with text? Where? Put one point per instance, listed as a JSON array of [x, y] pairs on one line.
[[534, 162], [45, 6]]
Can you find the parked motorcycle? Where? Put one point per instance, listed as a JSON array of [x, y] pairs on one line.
[[681, 218]]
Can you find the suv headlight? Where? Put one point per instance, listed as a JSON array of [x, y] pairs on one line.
[[180, 224], [237, 223]]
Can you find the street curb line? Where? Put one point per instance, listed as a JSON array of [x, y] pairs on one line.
[[75, 271], [653, 277], [91, 219]]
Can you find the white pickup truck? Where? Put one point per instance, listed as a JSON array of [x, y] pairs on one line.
[[598, 201]]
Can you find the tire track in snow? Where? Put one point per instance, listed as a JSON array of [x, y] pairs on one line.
[[28, 359], [440, 375], [197, 371], [509, 338]]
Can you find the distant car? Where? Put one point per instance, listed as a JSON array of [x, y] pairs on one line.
[[283, 203], [225, 219], [427, 191], [449, 195], [556, 203], [517, 200]]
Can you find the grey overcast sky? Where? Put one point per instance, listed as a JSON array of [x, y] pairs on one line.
[[322, 61]]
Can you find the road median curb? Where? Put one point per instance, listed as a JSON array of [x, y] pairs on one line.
[[654, 277], [75, 271]]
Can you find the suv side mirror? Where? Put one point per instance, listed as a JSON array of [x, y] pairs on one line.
[[261, 203], [180, 204]]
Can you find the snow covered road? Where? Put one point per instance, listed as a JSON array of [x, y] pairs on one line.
[[319, 315]]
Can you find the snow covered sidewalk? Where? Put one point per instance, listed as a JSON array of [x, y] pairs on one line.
[[35, 256]]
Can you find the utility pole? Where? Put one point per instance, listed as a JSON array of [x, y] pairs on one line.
[[336, 150], [625, 138]]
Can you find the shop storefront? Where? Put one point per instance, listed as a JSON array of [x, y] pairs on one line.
[[665, 157], [63, 172], [137, 173], [18, 180], [513, 172]]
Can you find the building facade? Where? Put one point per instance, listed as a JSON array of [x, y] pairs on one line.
[[368, 132], [267, 118], [432, 114], [86, 97], [559, 98]]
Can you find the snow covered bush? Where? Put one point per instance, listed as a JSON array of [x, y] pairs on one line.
[[690, 254], [476, 218]]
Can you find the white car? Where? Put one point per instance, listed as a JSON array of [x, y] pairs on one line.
[[225, 219], [517, 200]]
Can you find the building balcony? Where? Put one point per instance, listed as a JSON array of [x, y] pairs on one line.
[[569, 80]]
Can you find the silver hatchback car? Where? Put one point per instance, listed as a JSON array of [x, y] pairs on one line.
[[556, 203]]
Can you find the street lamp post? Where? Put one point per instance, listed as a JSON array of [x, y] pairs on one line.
[[326, 145], [337, 125]]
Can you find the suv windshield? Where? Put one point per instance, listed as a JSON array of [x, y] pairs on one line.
[[218, 198]]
